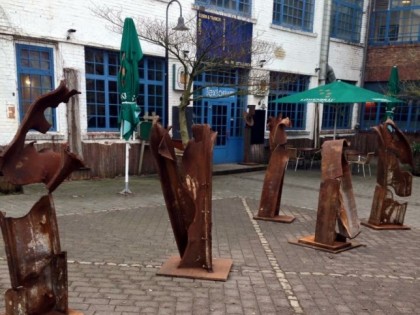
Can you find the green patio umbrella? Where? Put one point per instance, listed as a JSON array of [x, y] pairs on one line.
[[128, 87], [393, 90], [337, 92], [128, 78]]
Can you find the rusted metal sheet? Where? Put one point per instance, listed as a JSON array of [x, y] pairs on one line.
[[337, 218], [393, 150], [187, 188], [22, 164], [274, 176], [37, 266]]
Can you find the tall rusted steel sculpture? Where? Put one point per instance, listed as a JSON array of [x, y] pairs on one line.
[[393, 149], [274, 176], [187, 189], [37, 266], [336, 204]]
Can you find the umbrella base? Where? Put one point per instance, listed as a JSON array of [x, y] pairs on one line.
[[125, 191]]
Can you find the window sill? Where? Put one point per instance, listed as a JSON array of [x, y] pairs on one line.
[[49, 136], [294, 31]]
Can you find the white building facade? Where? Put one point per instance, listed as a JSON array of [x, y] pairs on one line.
[[42, 41]]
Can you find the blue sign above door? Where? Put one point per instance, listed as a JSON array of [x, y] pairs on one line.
[[219, 92]]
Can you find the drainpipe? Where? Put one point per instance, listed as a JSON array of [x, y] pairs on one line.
[[323, 62], [369, 9]]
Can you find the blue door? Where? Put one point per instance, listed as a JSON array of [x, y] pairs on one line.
[[228, 148]]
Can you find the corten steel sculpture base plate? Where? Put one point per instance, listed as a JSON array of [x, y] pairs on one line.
[[221, 269], [277, 218], [337, 247], [386, 226], [70, 312]]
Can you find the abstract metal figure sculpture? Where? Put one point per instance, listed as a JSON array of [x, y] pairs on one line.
[[394, 148], [336, 204], [37, 266], [274, 176], [187, 189]]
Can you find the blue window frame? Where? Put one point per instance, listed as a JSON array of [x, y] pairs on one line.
[[294, 14], [241, 7], [344, 114], [347, 20], [103, 99], [283, 84], [406, 115], [229, 78], [395, 22], [35, 71]]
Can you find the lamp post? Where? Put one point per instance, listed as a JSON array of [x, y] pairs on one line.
[[179, 27]]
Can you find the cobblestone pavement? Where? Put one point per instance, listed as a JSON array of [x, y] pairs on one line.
[[116, 244]]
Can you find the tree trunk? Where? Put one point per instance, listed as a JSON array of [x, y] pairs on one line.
[[183, 126]]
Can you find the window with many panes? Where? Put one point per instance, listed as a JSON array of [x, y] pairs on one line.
[[297, 14], [35, 70], [241, 7], [346, 20], [406, 115], [103, 99], [395, 22], [283, 84], [338, 114]]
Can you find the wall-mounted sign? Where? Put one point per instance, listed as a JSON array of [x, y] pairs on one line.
[[11, 111], [218, 92], [179, 77], [223, 38]]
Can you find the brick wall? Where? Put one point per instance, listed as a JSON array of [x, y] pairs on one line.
[[380, 60]]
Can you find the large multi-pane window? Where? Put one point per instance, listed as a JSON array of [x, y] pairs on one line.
[[338, 115], [294, 14], [103, 99], [35, 70], [406, 115], [347, 20], [241, 7], [283, 84], [395, 22]]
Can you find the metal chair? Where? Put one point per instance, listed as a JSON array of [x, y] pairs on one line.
[[363, 160], [294, 156], [315, 156]]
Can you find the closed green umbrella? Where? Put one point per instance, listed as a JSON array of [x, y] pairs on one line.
[[128, 78], [393, 90], [128, 87], [337, 92]]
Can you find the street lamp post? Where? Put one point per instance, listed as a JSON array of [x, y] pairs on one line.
[[179, 27]]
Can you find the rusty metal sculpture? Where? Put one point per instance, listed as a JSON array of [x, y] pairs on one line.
[[37, 266], [336, 204], [393, 149], [187, 189], [274, 176]]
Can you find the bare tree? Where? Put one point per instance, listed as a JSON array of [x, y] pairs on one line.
[[214, 44]]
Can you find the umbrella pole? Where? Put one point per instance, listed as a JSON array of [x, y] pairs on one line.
[[335, 121], [127, 152]]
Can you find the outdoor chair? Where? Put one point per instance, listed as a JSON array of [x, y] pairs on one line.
[[316, 156], [294, 156], [363, 161]]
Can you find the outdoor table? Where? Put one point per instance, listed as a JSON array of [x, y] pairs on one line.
[[352, 155], [307, 154]]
